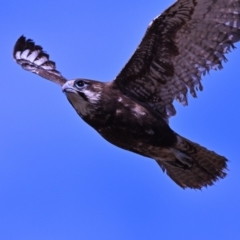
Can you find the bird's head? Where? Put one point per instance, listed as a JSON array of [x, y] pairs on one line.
[[83, 94]]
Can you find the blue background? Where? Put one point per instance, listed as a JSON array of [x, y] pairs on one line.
[[59, 179]]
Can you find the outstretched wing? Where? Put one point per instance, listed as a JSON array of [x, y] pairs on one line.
[[182, 44], [32, 58]]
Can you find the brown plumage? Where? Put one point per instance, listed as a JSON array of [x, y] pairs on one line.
[[180, 46], [207, 166]]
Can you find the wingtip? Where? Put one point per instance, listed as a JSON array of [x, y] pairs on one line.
[[19, 45], [24, 43], [33, 58]]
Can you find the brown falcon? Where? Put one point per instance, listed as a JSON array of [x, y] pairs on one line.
[[180, 46]]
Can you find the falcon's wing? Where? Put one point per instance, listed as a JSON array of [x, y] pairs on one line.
[[182, 44], [32, 58]]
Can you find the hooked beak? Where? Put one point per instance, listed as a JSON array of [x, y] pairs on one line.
[[68, 87]]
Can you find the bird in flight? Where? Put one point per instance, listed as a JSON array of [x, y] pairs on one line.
[[179, 47]]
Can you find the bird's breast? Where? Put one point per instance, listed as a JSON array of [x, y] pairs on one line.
[[129, 125]]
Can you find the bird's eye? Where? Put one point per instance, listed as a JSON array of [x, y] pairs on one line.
[[80, 84]]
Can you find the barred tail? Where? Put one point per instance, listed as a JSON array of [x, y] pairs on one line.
[[194, 166]]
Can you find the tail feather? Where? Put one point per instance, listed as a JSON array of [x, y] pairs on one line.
[[206, 166]]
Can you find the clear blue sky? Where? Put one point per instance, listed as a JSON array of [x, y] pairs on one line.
[[59, 179]]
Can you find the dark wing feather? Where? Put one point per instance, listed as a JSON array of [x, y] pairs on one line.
[[32, 58], [182, 44]]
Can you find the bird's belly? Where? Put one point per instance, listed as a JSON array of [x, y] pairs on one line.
[[146, 144]]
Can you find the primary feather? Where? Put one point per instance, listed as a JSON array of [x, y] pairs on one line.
[[180, 46]]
